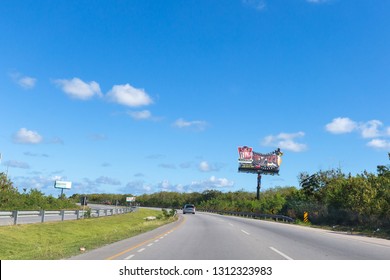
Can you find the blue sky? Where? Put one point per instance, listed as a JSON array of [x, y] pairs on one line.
[[146, 96]]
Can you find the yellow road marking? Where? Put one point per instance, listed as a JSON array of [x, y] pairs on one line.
[[145, 242]]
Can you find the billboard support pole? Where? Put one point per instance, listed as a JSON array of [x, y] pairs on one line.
[[258, 186]]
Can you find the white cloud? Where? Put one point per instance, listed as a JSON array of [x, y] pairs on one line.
[[204, 166], [140, 187], [37, 182], [141, 115], [55, 140], [128, 96], [137, 187], [27, 82], [164, 186], [181, 123], [379, 144], [211, 183], [79, 89], [285, 141], [221, 182], [30, 154], [180, 188], [256, 4], [17, 164], [317, 1], [25, 136], [103, 180], [97, 185], [370, 129], [341, 125]]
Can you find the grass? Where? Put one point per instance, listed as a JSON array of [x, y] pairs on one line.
[[59, 240]]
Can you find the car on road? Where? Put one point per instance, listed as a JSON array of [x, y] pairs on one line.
[[189, 208]]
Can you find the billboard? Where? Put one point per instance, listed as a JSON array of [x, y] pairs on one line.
[[130, 199], [252, 162], [62, 185]]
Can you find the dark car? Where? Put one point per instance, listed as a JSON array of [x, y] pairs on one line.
[[189, 208]]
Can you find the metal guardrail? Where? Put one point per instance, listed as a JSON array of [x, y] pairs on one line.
[[44, 215], [253, 215]]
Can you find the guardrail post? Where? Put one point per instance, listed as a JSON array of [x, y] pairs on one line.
[[42, 216], [105, 212], [15, 214], [62, 215]]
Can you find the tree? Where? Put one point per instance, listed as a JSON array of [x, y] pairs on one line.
[[384, 170], [314, 185], [6, 184]]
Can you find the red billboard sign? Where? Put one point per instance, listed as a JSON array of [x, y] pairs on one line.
[[252, 162]]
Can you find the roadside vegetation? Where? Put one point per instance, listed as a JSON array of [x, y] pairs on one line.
[[60, 240], [11, 199]]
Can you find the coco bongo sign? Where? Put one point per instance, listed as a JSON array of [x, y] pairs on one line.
[[252, 162]]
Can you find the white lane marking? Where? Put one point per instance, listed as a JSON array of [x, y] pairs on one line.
[[245, 232], [129, 257], [231, 224], [280, 253], [141, 250], [375, 244], [151, 244], [155, 241]]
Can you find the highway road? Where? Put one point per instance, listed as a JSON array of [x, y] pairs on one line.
[[205, 236]]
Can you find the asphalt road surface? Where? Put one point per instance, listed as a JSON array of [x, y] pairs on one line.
[[206, 236]]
